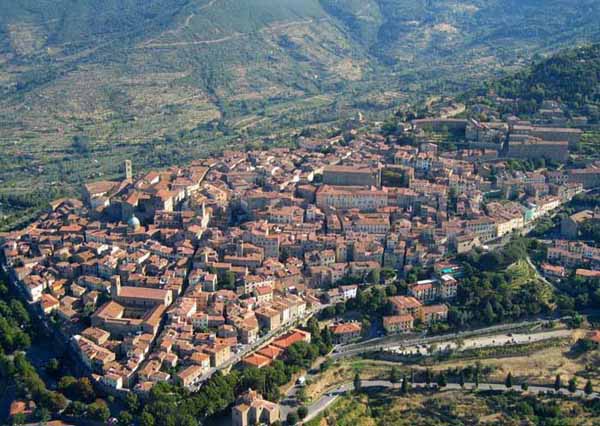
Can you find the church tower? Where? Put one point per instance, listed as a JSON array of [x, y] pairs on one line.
[[115, 286], [128, 171]]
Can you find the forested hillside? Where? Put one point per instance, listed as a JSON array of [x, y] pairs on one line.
[[86, 83], [571, 75]]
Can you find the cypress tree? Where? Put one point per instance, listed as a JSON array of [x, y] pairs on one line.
[[557, 383], [404, 388], [508, 381], [589, 389], [573, 385]]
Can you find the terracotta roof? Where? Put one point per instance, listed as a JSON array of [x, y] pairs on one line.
[[272, 352], [404, 302], [143, 293], [256, 360], [351, 327], [397, 319], [110, 309], [587, 273], [288, 340]]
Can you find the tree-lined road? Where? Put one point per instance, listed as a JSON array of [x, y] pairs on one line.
[[484, 342], [390, 342]]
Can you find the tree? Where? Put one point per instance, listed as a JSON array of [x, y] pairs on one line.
[[292, 418], [132, 401], [125, 418], [53, 401], [302, 412], [84, 389], [77, 408], [19, 419], [391, 290], [81, 144], [66, 382], [428, 377], [589, 389], [99, 411], [53, 367], [301, 394], [524, 386], [43, 415], [433, 348], [357, 382], [476, 379], [374, 276], [404, 387], [227, 280], [573, 385], [508, 382], [366, 327], [557, 383], [395, 375], [441, 381], [302, 354], [461, 379], [77, 389], [147, 419]]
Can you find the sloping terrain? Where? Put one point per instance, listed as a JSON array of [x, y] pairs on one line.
[[163, 80]]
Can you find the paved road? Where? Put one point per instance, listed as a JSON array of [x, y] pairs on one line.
[[398, 340], [329, 398], [483, 342]]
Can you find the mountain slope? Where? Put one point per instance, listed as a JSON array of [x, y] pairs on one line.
[[164, 80], [572, 76]]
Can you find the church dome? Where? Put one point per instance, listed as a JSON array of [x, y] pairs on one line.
[[134, 223]]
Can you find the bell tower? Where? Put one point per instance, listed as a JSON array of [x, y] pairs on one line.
[[128, 171], [115, 286]]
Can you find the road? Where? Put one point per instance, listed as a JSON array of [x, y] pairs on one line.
[[398, 340], [483, 342], [329, 398], [538, 273]]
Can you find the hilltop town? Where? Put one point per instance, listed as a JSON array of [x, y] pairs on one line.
[[174, 274]]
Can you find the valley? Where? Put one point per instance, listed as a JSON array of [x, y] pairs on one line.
[[168, 81]]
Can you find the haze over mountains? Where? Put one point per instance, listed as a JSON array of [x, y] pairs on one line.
[[123, 72]]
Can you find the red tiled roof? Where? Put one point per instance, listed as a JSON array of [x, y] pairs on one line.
[[272, 352], [287, 341], [351, 327], [256, 360]]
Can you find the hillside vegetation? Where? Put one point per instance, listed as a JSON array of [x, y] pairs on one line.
[[163, 81], [572, 76]]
